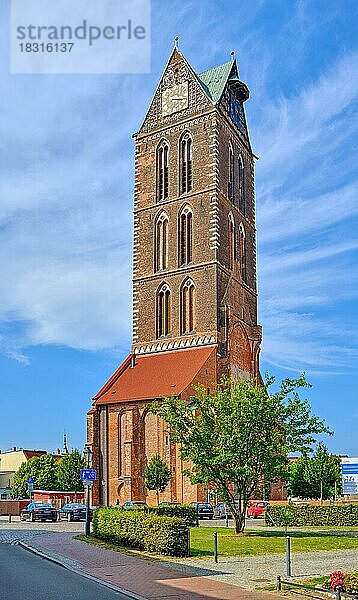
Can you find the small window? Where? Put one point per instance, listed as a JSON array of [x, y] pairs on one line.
[[185, 236], [186, 164], [162, 171], [163, 311], [187, 307], [231, 175], [243, 253], [232, 241], [161, 243], [241, 185]]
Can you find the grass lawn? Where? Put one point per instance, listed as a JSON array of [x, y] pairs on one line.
[[257, 543]]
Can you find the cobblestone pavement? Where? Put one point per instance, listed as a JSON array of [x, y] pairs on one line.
[[17, 525]]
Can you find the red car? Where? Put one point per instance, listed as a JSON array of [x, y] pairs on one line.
[[256, 509]]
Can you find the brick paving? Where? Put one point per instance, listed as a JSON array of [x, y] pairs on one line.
[[150, 579]]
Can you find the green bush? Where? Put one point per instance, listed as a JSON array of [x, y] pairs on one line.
[[141, 530], [302, 515], [183, 511]]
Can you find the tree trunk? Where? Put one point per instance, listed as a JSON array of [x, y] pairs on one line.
[[239, 518], [239, 514], [157, 492]]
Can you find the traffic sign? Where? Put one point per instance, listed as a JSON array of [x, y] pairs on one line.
[[30, 480], [88, 475], [30, 487]]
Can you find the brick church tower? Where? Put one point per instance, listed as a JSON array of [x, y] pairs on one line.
[[194, 273]]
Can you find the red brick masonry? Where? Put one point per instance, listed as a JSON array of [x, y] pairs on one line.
[[148, 579]]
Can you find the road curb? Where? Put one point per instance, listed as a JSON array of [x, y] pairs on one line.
[[115, 588]]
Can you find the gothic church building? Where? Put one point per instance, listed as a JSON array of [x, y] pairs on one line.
[[194, 275]]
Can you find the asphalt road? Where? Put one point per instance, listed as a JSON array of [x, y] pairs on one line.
[[25, 576]]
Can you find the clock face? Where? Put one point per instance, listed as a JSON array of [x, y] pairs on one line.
[[237, 112], [175, 98]]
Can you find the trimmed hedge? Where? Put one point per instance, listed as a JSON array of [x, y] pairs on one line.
[[300, 515], [141, 530], [183, 511]]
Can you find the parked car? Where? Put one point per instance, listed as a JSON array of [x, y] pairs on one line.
[[136, 504], [257, 509], [74, 511], [168, 503], [221, 510], [39, 511], [204, 509]]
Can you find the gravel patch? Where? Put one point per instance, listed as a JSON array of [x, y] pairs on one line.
[[252, 572]]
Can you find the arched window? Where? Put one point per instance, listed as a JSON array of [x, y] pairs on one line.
[[241, 185], [161, 243], [243, 252], [186, 163], [231, 175], [163, 311], [162, 170], [187, 307], [185, 236], [232, 242]]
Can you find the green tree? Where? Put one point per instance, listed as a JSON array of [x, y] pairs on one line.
[[318, 476], [297, 483], [156, 475], [44, 471], [241, 435], [69, 472]]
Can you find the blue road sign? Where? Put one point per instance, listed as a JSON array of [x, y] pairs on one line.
[[30, 480], [88, 474]]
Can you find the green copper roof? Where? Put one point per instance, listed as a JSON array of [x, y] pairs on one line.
[[213, 80]]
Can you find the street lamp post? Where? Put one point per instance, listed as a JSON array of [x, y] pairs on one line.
[[87, 453]]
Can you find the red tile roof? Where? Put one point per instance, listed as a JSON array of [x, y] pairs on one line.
[[154, 375], [31, 453]]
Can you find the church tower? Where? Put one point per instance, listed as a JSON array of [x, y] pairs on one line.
[[194, 271], [194, 219]]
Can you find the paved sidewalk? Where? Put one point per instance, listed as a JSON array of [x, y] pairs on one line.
[[151, 580]]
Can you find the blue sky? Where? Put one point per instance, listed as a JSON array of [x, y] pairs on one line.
[[66, 181]]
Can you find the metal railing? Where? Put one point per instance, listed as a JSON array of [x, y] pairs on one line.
[[337, 593]]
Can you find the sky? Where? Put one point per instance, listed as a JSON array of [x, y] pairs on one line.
[[66, 198]]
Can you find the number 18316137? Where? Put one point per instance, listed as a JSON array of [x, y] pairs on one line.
[[49, 47]]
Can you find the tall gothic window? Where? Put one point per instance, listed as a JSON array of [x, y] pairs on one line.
[[185, 236], [161, 243], [232, 242], [241, 185], [162, 171], [187, 307], [231, 175], [243, 253], [186, 163], [163, 311]]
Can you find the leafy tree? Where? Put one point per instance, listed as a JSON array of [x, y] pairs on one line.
[[241, 435], [156, 475], [296, 478], [44, 471], [318, 476], [69, 472]]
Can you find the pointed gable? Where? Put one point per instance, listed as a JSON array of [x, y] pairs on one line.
[[177, 72]]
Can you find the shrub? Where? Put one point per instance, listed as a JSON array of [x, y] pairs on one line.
[[141, 530], [183, 511], [310, 515]]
